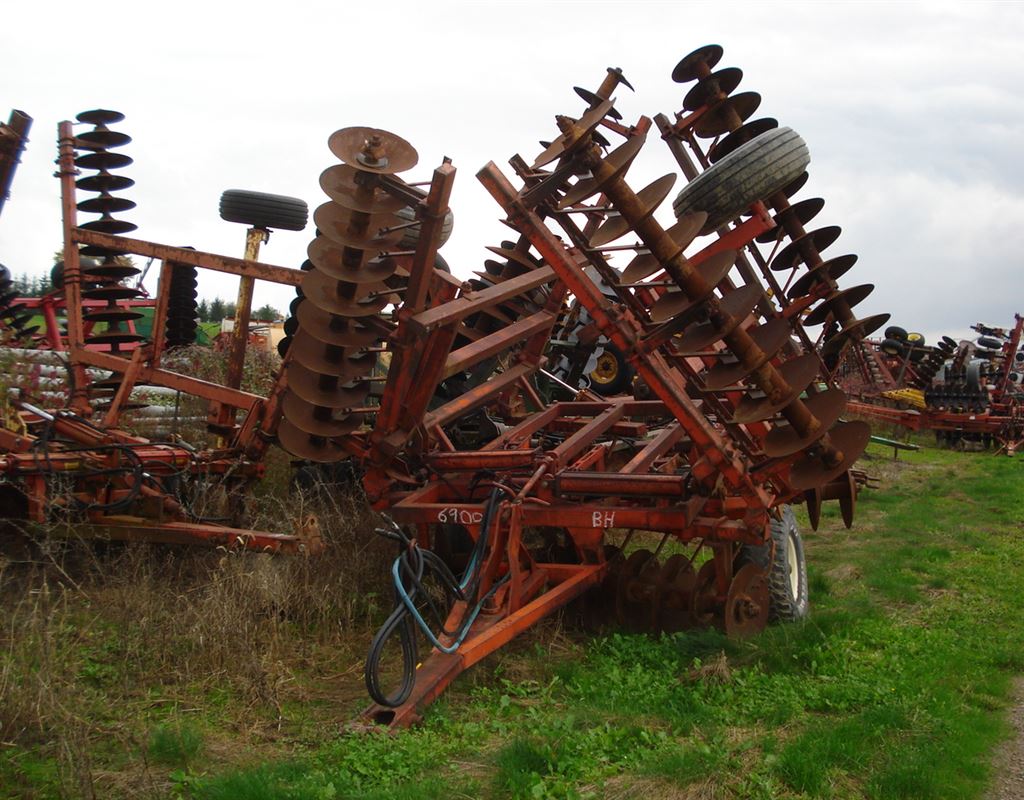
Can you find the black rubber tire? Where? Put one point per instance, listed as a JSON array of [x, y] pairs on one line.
[[411, 236], [755, 171], [786, 605], [892, 347], [262, 210], [916, 339], [896, 332], [973, 376], [990, 342], [57, 271], [622, 380]]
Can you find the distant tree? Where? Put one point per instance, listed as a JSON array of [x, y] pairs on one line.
[[203, 311], [216, 310], [266, 314], [229, 310]]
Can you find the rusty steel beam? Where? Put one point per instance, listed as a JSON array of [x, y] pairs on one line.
[[172, 380], [471, 302], [432, 211], [497, 342], [477, 396], [67, 171], [199, 258]]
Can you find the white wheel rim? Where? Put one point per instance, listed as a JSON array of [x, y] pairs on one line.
[[794, 567]]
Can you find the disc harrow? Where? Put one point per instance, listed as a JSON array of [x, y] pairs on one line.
[[969, 393], [738, 416]]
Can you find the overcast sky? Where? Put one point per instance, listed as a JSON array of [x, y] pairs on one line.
[[913, 113]]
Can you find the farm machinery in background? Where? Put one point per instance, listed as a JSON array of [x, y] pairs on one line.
[[969, 393], [663, 501]]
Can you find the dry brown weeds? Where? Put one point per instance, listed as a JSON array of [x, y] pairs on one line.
[[98, 640]]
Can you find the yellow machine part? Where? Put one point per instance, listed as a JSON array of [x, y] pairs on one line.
[[911, 397]]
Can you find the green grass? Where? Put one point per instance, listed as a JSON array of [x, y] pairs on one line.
[[175, 744], [895, 687]]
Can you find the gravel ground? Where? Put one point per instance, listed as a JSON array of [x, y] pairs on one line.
[[1009, 764]]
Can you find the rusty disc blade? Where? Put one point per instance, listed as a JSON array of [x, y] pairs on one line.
[[797, 373], [673, 594], [801, 213], [568, 141], [727, 115], [698, 63], [105, 204], [317, 420], [634, 592], [102, 138], [713, 270], [857, 330], [111, 293], [311, 448], [111, 226], [827, 407], [848, 501], [813, 499], [848, 297], [104, 182], [325, 390], [100, 116], [683, 232], [844, 489], [353, 266], [833, 269], [796, 185], [769, 339], [373, 150], [114, 338], [851, 438], [619, 160], [103, 161], [356, 228], [746, 605], [740, 137], [495, 271], [817, 240], [714, 87], [333, 329], [348, 187], [331, 360], [735, 308], [116, 272], [108, 314], [705, 606], [649, 198], [520, 258], [339, 297], [595, 100]]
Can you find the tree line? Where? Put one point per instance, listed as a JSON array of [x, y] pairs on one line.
[[217, 310], [31, 285], [207, 310]]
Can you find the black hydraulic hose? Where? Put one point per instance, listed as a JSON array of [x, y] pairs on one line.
[[414, 565]]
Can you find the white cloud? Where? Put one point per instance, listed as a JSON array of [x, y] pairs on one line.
[[913, 112]]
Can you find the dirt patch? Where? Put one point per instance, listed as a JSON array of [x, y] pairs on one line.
[[1009, 761]]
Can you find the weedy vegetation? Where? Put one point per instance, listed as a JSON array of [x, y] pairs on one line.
[[133, 671]]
